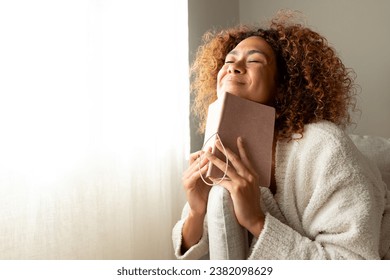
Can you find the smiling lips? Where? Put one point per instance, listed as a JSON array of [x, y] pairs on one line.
[[234, 80]]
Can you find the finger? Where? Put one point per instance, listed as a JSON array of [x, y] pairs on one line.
[[243, 155], [191, 176], [233, 158], [197, 165], [196, 175], [230, 172], [226, 183], [195, 155]]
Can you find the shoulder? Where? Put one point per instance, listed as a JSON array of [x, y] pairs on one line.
[[326, 146], [328, 139], [325, 132], [319, 137], [323, 147]]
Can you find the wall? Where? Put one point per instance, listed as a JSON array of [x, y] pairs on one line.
[[357, 29]]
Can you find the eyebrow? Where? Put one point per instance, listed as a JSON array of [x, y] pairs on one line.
[[233, 52]]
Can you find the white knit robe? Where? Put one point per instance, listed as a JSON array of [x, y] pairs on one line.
[[329, 203]]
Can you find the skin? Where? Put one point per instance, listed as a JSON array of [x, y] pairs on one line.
[[249, 72]]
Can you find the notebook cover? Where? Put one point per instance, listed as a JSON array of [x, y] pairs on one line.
[[231, 116]]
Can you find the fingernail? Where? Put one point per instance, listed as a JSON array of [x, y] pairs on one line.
[[240, 139]]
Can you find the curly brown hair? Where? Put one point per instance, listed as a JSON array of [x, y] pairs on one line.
[[313, 83]]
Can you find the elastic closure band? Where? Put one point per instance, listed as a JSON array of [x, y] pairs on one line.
[[226, 165]]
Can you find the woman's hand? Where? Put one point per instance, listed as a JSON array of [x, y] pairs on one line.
[[197, 191], [243, 185]]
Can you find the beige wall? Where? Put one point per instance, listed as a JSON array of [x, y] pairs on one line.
[[358, 30]]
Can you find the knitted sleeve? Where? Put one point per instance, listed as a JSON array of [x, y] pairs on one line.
[[332, 200]]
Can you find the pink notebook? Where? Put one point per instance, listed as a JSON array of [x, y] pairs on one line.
[[231, 116]]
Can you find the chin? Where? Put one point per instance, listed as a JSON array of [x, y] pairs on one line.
[[231, 91]]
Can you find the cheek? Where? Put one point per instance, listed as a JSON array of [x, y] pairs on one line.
[[263, 87], [268, 79], [220, 74]]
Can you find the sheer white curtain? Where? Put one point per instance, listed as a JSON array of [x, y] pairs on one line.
[[93, 127]]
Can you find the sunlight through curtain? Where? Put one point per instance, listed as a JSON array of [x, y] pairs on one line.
[[94, 127]]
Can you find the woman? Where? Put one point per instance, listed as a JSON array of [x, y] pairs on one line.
[[325, 201]]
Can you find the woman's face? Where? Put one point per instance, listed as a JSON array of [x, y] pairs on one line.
[[249, 71]]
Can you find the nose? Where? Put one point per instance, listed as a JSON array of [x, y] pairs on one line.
[[236, 68]]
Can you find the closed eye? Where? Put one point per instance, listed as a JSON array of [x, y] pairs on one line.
[[256, 60]]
